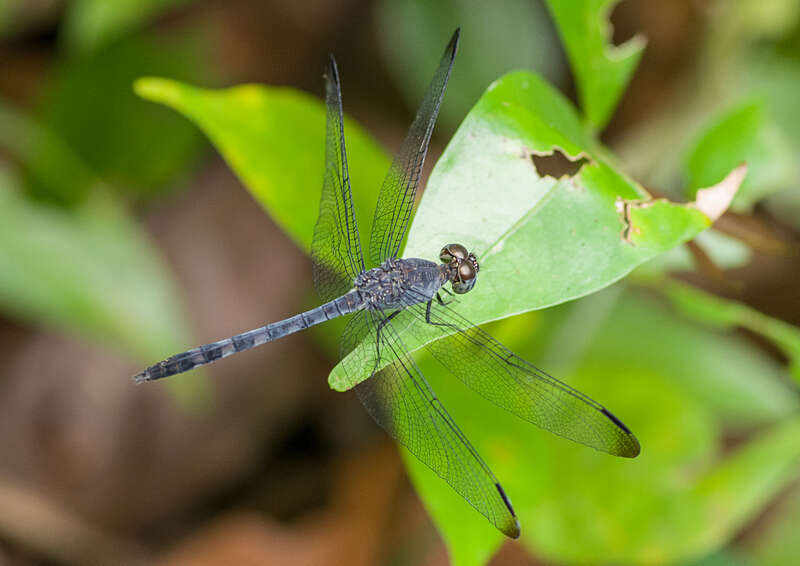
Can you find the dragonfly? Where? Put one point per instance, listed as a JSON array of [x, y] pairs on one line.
[[403, 298]]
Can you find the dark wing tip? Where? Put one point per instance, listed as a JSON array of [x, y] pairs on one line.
[[452, 47], [616, 421], [511, 529], [634, 449], [631, 448], [333, 70]]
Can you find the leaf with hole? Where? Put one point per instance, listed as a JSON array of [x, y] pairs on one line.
[[540, 240]]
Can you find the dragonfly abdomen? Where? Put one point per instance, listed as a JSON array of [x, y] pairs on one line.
[[214, 351]]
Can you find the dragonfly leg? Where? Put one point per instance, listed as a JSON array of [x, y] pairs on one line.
[[428, 306], [442, 301]]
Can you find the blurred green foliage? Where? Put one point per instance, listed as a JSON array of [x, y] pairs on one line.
[[504, 35], [72, 256], [779, 544], [89, 24], [136, 147], [90, 269], [743, 134], [723, 313]]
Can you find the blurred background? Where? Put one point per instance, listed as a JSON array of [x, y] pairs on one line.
[[124, 237]]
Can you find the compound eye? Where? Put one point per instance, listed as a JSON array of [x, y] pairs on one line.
[[462, 287], [466, 271], [458, 251], [465, 278], [451, 251]]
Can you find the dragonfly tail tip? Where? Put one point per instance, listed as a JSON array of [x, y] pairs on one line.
[[141, 377]]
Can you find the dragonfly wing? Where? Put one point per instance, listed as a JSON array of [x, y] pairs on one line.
[[335, 248], [399, 398], [399, 189], [495, 372]]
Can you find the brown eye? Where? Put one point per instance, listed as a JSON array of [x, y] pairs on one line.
[[451, 251], [465, 279], [458, 251], [466, 271]]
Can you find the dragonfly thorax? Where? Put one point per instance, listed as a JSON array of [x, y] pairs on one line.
[[399, 283]]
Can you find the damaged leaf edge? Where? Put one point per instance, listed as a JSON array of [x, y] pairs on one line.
[[712, 201]]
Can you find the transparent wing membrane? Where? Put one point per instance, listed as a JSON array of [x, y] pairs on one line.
[[399, 189], [335, 248], [399, 399], [486, 366]]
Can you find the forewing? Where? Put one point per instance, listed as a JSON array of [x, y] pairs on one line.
[[492, 370], [335, 248], [399, 398], [399, 189]]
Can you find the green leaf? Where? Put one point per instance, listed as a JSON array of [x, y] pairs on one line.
[[91, 23], [580, 506], [601, 70], [274, 139], [497, 37], [540, 241], [743, 134]]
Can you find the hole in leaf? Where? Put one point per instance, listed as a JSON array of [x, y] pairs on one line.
[[623, 22], [557, 164]]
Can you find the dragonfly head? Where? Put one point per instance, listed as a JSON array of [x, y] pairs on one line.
[[462, 267]]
